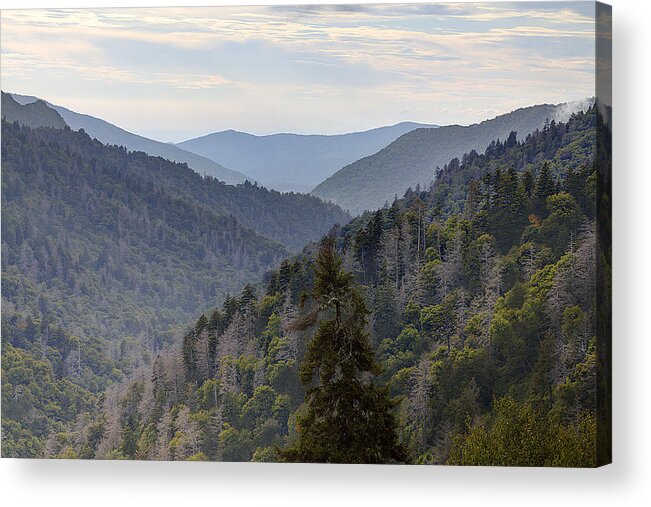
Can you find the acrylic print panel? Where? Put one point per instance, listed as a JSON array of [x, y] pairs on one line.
[[344, 234]]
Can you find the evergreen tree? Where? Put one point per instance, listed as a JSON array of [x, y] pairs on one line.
[[348, 418], [545, 187]]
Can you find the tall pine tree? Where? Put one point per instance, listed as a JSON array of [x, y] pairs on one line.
[[348, 418]]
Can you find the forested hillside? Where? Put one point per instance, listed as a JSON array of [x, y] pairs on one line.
[[93, 229], [96, 237], [52, 382], [295, 162], [476, 296], [114, 250], [413, 158]]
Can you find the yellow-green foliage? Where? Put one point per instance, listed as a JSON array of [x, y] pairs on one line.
[[518, 436]]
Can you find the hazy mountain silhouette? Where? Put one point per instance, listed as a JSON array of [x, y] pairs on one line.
[[110, 134], [293, 162]]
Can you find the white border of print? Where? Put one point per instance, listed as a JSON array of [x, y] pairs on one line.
[[626, 482]]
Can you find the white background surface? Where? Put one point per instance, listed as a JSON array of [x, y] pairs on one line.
[[625, 483]]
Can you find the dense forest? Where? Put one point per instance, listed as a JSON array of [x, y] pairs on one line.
[[460, 318], [114, 251], [141, 241]]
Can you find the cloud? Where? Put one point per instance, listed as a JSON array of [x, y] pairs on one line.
[[427, 58]]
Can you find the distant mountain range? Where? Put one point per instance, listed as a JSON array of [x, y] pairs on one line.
[[293, 162], [413, 158], [358, 171], [110, 134]]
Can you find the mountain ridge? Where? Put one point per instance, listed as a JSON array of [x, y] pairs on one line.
[[414, 124], [111, 134], [288, 161], [33, 115], [412, 159]]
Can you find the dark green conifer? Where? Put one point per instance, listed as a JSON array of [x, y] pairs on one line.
[[348, 418]]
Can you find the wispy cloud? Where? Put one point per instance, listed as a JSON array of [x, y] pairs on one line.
[[347, 67]]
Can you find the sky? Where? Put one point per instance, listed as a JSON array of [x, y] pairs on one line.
[[176, 73]]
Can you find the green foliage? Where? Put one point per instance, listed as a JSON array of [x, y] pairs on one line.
[[234, 444], [564, 218], [36, 402], [520, 437], [264, 455], [259, 406], [199, 456], [402, 351]]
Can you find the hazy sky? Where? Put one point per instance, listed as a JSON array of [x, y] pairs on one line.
[[174, 73]]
